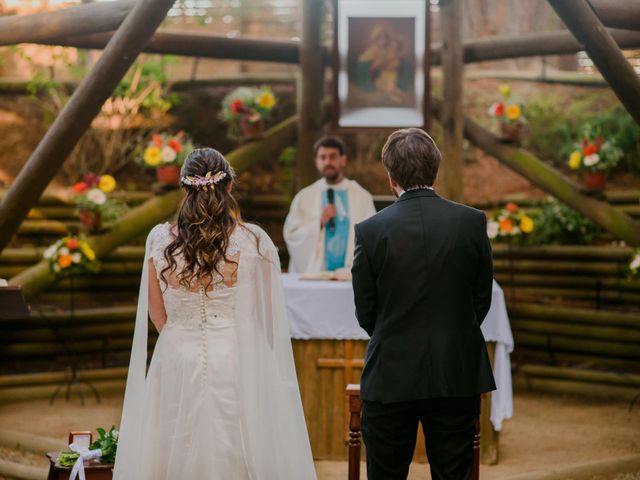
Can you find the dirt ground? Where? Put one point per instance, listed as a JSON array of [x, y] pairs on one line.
[[545, 432]]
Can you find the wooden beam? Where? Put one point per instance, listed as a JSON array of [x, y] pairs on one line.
[[81, 20], [139, 220], [601, 47], [198, 45], [548, 179], [310, 92], [76, 116], [530, 45], [452, 120], [617, 13]]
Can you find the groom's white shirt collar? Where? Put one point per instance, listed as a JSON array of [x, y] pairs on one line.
[[419, 187]]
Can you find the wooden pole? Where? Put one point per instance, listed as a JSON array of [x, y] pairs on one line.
[[530, 45], [78, 113], [197, 45], [618, 14], [548, 179], [72, 21], [452, 120], [310, 92], [601, 47]]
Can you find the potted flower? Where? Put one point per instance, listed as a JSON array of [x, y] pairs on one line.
[[91, 195], [166, 154], [509, 223], [508, 114], [594, 156], [245, 109], [71, 255]]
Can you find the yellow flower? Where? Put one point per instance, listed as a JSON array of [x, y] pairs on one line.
[[575, 159], [88, 251], [526, 224], [505, 90], [107, 183], [152, 156], [266, 100], [513, 112]]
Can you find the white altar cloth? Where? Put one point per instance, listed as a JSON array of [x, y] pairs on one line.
[[325, 310]]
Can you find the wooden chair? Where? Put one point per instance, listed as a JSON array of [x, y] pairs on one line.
[[355, 443]]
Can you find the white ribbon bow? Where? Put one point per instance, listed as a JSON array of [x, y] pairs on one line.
[[85, 454]]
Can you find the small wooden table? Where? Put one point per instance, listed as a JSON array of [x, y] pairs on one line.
[[93, 469], [355, 436]]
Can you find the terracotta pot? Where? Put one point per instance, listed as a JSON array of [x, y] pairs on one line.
[[90, 219], [168, 174], [250, 130], [512, 131], [594, 180]]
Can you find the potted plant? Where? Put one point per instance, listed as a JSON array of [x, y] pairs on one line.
[[95, 207], [166, 154], [508, 113], [245, 110], [71, 255], [595, 156], [510, 223]]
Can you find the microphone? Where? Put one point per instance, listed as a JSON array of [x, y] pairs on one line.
[[331, 224]]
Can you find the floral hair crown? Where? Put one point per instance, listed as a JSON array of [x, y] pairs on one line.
[[209, 180]]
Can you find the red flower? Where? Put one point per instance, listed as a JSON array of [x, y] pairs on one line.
[[590, 149], [72, 244], [80, 187], [175, 145], [511, 207], [499, 109], [91, 179], [237, 106], [157, 140]]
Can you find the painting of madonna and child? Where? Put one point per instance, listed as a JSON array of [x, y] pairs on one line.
[[382, 78]]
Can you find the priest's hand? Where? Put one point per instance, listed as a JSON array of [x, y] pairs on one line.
[[328, 213]]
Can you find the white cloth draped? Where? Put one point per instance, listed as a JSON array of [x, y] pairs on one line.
[[302, 232], [325, 310], [274, 433]]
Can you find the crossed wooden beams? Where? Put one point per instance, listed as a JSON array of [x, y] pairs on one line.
[[585, 24]]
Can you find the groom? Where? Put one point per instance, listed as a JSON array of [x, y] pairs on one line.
[[422, 277]]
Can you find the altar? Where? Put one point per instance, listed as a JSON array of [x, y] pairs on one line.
[[329, 348]]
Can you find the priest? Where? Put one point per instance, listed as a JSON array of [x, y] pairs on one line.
[[319, 227]]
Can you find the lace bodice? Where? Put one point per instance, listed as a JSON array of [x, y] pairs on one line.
[[195, 308]]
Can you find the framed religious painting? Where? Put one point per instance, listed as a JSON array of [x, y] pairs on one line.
[[381, 64]]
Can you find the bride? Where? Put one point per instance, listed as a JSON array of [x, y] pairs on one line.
[[220, 399]]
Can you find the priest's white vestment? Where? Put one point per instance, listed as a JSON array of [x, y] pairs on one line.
[[302, 229]]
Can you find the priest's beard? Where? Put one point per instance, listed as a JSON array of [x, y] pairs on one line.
[[332, 175]]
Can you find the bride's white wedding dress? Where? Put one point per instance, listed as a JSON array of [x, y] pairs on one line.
[[221, 399]]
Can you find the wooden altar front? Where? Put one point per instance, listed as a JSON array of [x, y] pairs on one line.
[[325, 368]]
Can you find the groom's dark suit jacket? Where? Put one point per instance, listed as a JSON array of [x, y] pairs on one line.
[[422, 278]]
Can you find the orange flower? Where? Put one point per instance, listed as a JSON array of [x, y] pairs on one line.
[[80, 187], [72, 244], [157, 140], [64, 261], [175, 145], [511, 207], [506, 225]]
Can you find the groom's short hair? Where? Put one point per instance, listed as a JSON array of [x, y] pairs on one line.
[[411, 157]]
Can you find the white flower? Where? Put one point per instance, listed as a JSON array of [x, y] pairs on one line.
[[64, 251], [591, 160], [492, 229], [56, 267], [635, 263], [515, 231], [76, 257], [115, 434], [97, 196], [50, 252], [168, 154]]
